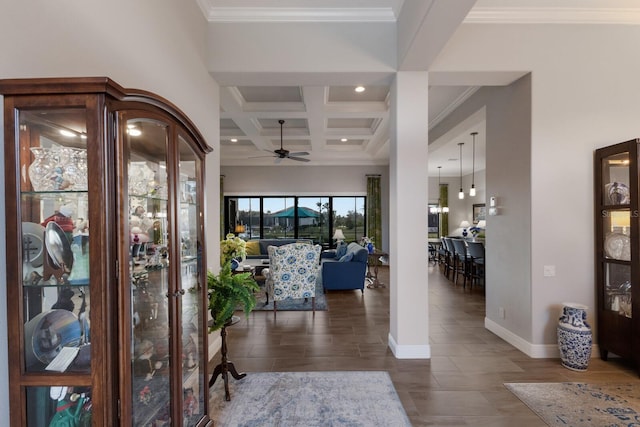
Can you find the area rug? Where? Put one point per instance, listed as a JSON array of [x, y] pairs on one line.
[[292, 304], [579, 404], [308, 399]]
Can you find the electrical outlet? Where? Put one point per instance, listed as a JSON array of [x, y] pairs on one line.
[[501, 313], [549, 270]]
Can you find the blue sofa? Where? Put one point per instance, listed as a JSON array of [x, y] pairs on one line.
[[345, 272]]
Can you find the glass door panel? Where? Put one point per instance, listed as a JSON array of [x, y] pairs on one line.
[[190, 226], [248, 211], [615, 178], [149, 273], [313, 219], [278, 217], [55, 240]]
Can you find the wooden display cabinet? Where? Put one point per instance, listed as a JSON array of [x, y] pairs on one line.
[[106, 283], [617, 249]]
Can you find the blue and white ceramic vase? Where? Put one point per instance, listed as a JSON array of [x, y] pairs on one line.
[[235, 264], [574, 337]]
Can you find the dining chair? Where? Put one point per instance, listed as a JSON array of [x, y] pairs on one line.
[[448, 256], [461, 261], [476, 253]]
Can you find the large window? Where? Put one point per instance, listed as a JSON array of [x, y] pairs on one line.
[[313, 218]]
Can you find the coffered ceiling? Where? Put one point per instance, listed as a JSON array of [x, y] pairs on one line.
[[337, 125]]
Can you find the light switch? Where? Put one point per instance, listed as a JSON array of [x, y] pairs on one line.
[[549, 270]]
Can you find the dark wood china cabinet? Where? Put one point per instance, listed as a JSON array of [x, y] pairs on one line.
[[106, 284], [617, 249]]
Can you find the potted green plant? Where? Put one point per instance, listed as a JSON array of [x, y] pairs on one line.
[[227, 292]]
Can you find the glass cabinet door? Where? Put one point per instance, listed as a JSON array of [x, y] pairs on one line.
[[149, 269], [616, 233], [54, 249], [192, 289]]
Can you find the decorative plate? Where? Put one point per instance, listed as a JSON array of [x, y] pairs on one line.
[[48, 332], [618, 193], [58, 246], [33, 243], [617, 246]]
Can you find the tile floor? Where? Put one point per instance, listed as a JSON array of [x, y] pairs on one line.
[[461, 385]]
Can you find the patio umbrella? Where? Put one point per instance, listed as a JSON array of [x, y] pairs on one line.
[[302, 213]]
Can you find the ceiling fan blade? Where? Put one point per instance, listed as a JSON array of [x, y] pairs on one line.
[[299, 159], [300, 153], [259, 157], [278, 160]]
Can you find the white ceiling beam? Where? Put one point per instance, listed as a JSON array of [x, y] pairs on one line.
[[424, 29], [314, 99]]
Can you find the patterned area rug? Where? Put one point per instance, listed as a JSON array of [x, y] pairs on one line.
[[579, 404], [292, 304], [308, 399]]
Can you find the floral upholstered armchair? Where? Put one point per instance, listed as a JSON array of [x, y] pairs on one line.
[[293, 272]]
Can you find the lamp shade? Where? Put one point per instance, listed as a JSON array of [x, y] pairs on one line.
[[338, 235], [482, 224], [464, 224]]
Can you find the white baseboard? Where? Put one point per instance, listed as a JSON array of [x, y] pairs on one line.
[[536, 351], [409, 351]]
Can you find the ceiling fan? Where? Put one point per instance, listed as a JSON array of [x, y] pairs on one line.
[[281, 153]]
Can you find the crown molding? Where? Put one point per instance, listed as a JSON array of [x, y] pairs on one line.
[[455, 104], [288, 14], [553, 15]]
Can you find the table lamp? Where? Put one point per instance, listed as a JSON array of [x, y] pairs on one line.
[[338, 235]]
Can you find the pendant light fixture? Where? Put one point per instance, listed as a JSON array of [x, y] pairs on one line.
[[472, 191], [461, 192]]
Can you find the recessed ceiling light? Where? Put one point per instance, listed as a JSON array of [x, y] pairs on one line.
[[67, 133], [359, 89], [234, 140], [134, 131], [343, 139]]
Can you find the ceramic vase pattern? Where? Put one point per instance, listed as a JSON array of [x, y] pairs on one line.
[[575, 338]]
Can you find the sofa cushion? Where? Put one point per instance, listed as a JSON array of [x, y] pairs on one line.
[[360, 254], [252, 247], [346, 258], [341, 249]]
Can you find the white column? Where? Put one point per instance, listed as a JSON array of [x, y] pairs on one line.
[[408, 245]]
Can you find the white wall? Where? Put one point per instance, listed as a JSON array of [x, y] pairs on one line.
[[308, 181], [155, 45], [256, 50], [508, 130], [584, 81]]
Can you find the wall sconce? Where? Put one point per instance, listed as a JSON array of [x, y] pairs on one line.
[[493, 206]]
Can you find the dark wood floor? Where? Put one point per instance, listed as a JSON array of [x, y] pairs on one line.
[[462, 383]]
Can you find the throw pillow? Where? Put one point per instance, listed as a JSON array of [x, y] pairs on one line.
[[346, 258], [252, 247], [341, 249]]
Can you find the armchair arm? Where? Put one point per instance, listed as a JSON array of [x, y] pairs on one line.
[[343, 275]]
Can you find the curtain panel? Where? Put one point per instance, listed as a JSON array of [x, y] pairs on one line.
[[374, 210]]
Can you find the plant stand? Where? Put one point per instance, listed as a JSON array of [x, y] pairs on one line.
[[225, 366]]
